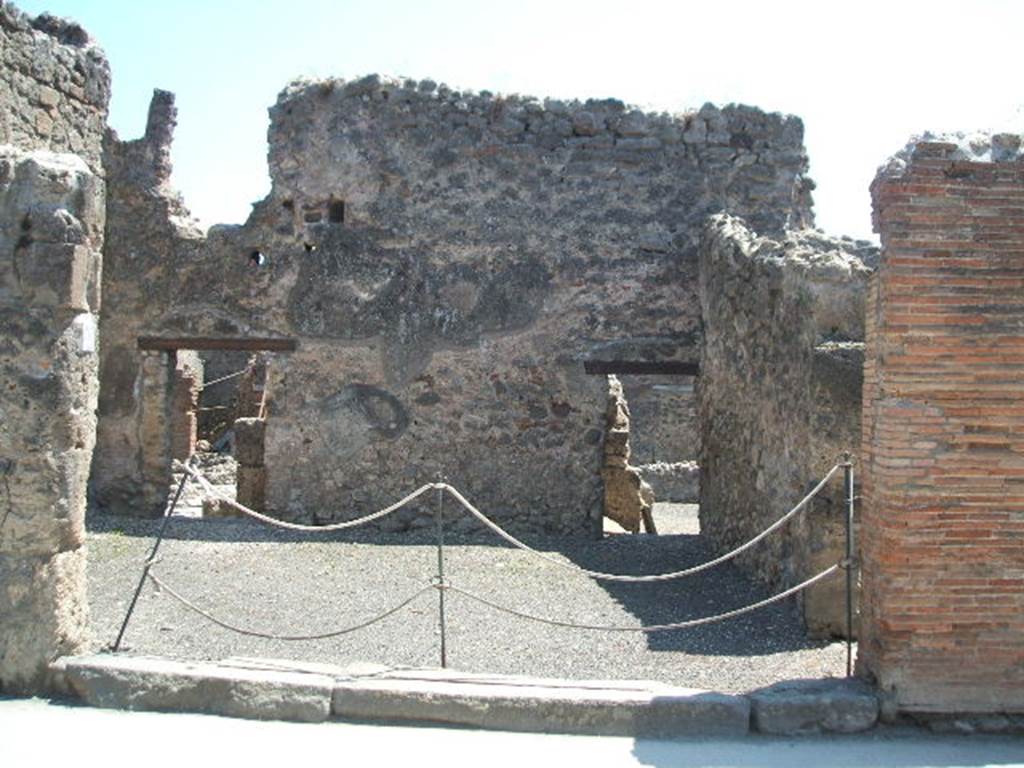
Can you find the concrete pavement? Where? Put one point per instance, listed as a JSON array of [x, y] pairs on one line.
[[36, 732]]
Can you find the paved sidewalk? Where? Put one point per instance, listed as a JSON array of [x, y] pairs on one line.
[[35, 732]]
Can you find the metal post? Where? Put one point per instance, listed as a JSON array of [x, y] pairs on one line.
[[440, 572], [149, 561], [848, 476]]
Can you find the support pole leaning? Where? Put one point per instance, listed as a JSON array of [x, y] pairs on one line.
[[850, 501], [440, 572], [149, 561]]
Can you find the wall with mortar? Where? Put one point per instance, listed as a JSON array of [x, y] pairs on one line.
[[54, 87], [779, 399], [447, 262], [150, 239], [664, 417], [943, 512], [53, 96]]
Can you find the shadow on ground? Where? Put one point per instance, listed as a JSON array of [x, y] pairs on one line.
[[773, 629]]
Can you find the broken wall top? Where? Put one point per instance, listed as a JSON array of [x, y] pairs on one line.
[[382, 144], [977, 147], [54, 86], [927, 162]]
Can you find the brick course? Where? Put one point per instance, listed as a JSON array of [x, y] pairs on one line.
[[943, 437]]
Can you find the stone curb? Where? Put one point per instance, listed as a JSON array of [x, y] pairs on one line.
[[149, 683], [522, 704], [282, 690]]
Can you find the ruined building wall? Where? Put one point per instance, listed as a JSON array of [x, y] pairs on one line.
[[664, 433], [943, 616], [51, 234], [779, 399], [54, 86], [664, 417], [447, 262], [149, 239]]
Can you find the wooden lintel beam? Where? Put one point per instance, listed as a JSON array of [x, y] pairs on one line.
[[659, 367], [246, 344]]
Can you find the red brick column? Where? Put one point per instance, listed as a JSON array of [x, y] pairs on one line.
[[943, 438], [184, 411]]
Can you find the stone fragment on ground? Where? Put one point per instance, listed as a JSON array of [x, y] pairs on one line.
[[799, 707]]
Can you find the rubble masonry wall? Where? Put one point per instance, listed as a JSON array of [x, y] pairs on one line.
[[54, 88], [779, 400], [447, 262]]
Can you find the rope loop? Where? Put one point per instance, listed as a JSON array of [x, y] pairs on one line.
[[655, 627], [160, 585], [273, 521], [601, 576]]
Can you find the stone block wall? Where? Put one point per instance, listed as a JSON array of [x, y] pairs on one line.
[[943, 519], [51, 231], [778, 403], [54, 88], [447, 262]]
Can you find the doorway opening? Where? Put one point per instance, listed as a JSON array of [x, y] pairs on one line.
[[652, 441], [215, 401]]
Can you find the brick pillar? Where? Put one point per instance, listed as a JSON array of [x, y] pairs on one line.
[[155, 429], [943, 438], [188, 378]]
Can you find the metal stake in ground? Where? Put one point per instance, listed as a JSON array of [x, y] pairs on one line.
[[848, 478], [149, 561], [440, 572]]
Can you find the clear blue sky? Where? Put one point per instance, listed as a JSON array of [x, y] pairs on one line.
[[863, 75]]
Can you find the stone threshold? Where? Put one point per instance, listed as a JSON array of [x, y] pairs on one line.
[[269, 689]]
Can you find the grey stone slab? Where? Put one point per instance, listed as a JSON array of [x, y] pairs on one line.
[[547, 706], [812, 706], [149, 683]]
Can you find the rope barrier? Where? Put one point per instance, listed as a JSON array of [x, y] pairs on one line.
[[299, 526], [502, 533], [234, 375], [641, 579], [442, 586], [272, 636], [647, 629]]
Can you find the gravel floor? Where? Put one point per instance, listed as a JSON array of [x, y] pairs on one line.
[[282, 583]]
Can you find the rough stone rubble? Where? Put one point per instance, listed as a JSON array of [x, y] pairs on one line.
[[779, 398], [447, 262]]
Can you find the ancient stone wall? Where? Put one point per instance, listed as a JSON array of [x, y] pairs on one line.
[[447, 261], [663, 410], [150, 241], [943, 519], [778, 404], [51, 230], [54, 86]]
